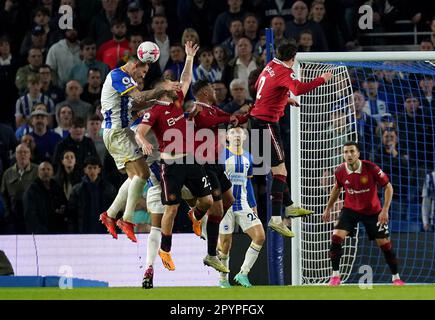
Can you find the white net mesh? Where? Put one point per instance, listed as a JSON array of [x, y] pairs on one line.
[[327, 121]]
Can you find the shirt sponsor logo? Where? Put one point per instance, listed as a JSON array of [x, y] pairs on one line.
[[173, 121], [352, 191]]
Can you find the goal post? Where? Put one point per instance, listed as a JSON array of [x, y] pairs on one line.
[[324, 121]]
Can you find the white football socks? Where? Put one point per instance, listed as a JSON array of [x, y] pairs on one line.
[[135, 190], [250, 257], [225, 259], [121, 199], [153, 245]]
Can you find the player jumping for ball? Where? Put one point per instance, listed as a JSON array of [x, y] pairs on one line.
[[360, 178], [273, 86]]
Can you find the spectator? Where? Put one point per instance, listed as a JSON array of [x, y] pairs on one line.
[[15, 181], [45, 204], [73, 91], [47, 86], [366, 127], [67, 174], [428, 203], [387, 122], [239, 94], [221, 93], [176, 61], [242, 65], [28, 140], [64, 117], [112, 51], [427, 93], [134, 40], [88, 52], [159, 25], [305, 41], [250, 27], [432, 28], [300, 22], [82, 146], [64, 55], [8, 69], [14, 20], [190, 34], [206, 70], [278, 26], [45, 139], [37, 39], [8, 142], [94, 131], [223, 21], [236, 30], [220, 57], [34, 57], [273, 8], [426, 45], [26, 128], [136, 22], [374, 106], [396, 166], [89, 198], [100, 24], [92, 90], [26, 103]]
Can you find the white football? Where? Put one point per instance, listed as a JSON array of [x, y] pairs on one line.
[[148, 52]]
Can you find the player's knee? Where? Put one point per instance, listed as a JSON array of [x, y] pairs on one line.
[[259, 239], [385, 245], [205, 202]]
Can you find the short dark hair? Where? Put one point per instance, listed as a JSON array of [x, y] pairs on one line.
[[204, 49], [351, 143], [45, 66], [198, 85], [92, 161], [286, 51], [93, 70], [95, 117], [78, 122], [41, 9], [87, 42], [117, 21]]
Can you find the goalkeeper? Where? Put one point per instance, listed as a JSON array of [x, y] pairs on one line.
[[360, 178]]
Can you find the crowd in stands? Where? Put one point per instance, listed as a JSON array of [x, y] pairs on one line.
[[56, 174]]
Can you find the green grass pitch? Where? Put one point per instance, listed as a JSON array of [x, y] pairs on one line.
[[346, 292]]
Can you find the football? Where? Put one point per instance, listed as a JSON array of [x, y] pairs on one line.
[[148, 52]]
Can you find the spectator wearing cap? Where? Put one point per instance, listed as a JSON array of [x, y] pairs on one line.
[[136, 22], [34, 58], [92, 89], [112, 51], [242, 64], [73, 91], [88, 53], [40, 35], [15, 181], [159, 26], [77, 142], [236, 32], [48, 86], [45, 204], [8, 68], [101, 23], [26, 103], [64, 118], [300, 22], [89, 198], [26, 128], [64, 55], [222, 23], [45, 139]]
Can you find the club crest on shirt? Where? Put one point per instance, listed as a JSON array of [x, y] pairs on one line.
[[364, 179], [126, 80]]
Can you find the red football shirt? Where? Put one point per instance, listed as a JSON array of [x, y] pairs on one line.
[[170, 126], [273, 87], [209, 118], [361, 187]]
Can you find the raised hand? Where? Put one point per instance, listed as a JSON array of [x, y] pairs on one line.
[[191, 49], [327, 76]]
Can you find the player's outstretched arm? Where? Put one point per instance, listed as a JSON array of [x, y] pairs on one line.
[[298, 88], [186, 75], [141, 99], [142, 130], [335, 193], [383, 216]]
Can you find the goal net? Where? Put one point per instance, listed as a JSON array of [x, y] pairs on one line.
[[382, 105]]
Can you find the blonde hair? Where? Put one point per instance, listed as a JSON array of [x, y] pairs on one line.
[[189, 31], [313, 4]]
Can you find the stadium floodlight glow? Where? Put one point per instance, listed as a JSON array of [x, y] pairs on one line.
[[325, 120]]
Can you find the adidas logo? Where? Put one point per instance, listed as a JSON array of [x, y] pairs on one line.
[[347, 182], [166, 113]]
